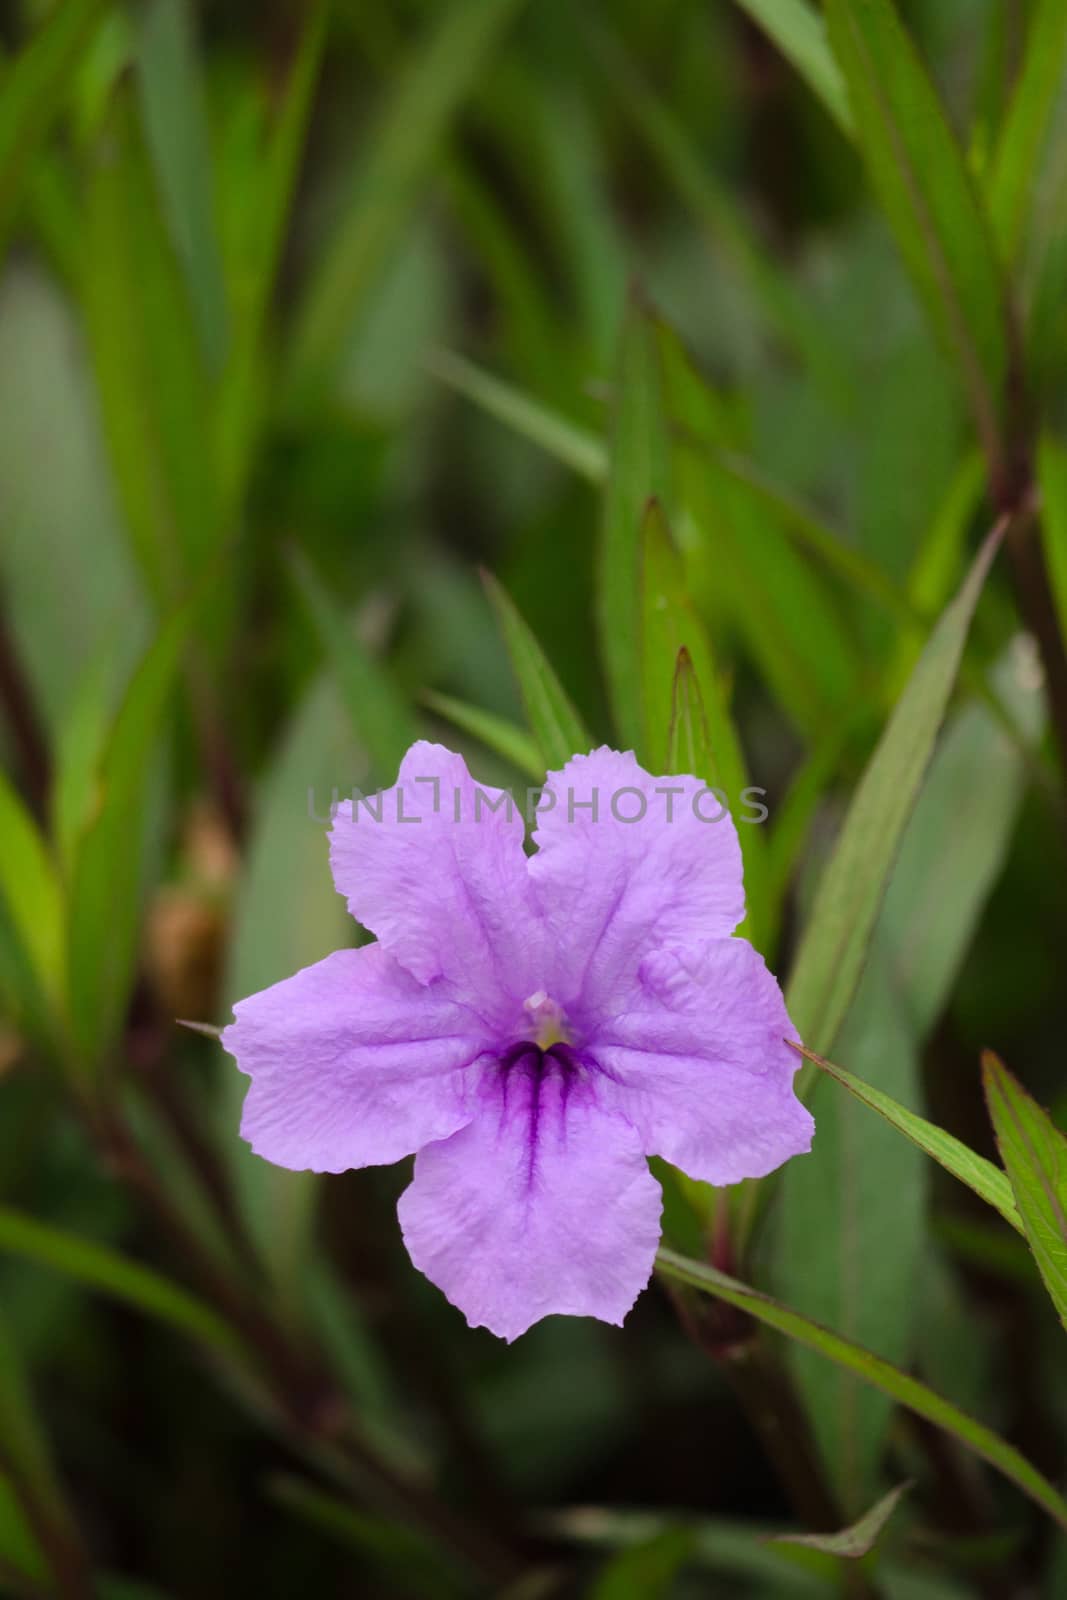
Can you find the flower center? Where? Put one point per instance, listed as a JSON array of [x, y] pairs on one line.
[[547, 1020]]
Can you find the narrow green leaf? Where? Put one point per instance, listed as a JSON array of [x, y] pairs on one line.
[[670, 625], [175, 119], [1011, 180], [241, 396], [900, 1386], [988, 1182], [850, 891], [771, 290], [106, 886], [855, 1541], [381, 717], [584, 453], [926, 191], [740, 559], [496, 733], [1034, 1151], [561, 439], [21, 1556], [675, 647], [287, 865], [443, 68], [29, 883], [553, 721], [146, 353], [25, 1454], [35, 88], [800, 34], [1052, 476], [103, 1269], [639, 470], [688, 742], [649, 1568]]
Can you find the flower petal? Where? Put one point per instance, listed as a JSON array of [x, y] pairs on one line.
[[610, 889], [435, 868], [700, 1067], [353, 1063], [543, 1205]]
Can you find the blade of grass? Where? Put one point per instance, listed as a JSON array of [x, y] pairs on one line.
[[900, 1386], [496, 733], [443, 68], [175, 120], [834, 943], [150, 378], [1034, 1152], [50, 1526], [106, 884], [30, 884], [35, 89], [100, 1268], [800, 34], [985, 1180], [241, 397], [565, 441], [381, 717], [675, 647], [554, 723], [1010, 186], [639, 470], [926, 191], [772, 291], [853, 1542]]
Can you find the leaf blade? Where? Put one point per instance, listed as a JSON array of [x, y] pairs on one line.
[[555, 724], [1034, 1152], [980, 1176], [831, 954], [900, 1386]]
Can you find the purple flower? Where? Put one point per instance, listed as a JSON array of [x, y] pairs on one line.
[[533, 1027]]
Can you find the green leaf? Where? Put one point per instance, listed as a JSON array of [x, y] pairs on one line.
[[553, 721], [107, 879], [403, 1555], [677, 660], [29, 883], [35, 88], [850, 1231], [46, 1525], [287, 865], [381, 718], [20, 1549], [925, 189], [900, 1386], [855, 1541], [834, 944], [1011, 180], [739, 559], [105, 1270], [772, 291], [151, 380], [800, 34], [988, 1182], [1052, 476], [649, 1568], [563, 440], [442, 70], [639, 470], [175, 120], [268, 195], [496, 733], [1034, 1151]]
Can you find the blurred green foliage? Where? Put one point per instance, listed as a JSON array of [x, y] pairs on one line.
[[717, 335]]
